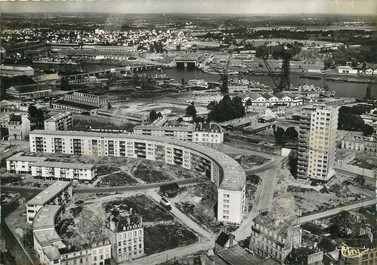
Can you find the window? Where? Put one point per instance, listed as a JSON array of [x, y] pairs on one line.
[[226, 201], [226, 195]]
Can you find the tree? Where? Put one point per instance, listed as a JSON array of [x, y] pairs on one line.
[[180, 119], [33, 112], [291, 133], [326, 244], [40, 117], [293, 161], [367, 130], [152, 115], [340, 224], [109, 105], [159, 115], [279, 134], [224, 84], [64, 83], [211, 105], [191, 111]]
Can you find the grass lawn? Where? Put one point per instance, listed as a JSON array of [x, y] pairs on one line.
[[162, 237], [116, 179], [142, 205], [104, 170]]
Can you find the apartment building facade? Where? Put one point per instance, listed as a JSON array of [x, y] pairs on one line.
[[265, 242], [18, 126], [59, 122], [206, 134], [21, 164], [227, 175], [59, 193], [127, 237], [317, 143], [63, 171]]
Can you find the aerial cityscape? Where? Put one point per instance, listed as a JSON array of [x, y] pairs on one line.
[[188, 132]]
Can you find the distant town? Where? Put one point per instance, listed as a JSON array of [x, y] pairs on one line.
[[188, 139]]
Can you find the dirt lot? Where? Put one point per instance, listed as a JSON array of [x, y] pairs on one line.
[[340, 191], [142, 205], [199, 203], [168, 236], [117, 179]]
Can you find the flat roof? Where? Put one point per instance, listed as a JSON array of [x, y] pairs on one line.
[[74, 104], [63, 165], [164, 128], [236, 255], [44, 196], [234, 177], [20, 157], [58, 116], [49, 237], [45, 217]]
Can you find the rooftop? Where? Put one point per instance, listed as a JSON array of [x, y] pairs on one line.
[[236, 255], [63, 165], [58, 116], [45, 217], [74, 104], [20, 157], [50, 192], [233, 178]]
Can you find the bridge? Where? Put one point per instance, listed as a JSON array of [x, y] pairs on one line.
[[186, 62]]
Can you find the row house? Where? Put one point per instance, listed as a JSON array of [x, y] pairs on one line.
[[266, 99]]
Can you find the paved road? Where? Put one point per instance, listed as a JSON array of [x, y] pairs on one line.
[[337, 210], [183, 218], [169, 254], [264, 195]]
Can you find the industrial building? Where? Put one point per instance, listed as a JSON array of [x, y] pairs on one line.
[[224, 172]]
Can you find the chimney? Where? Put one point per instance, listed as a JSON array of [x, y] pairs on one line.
[[231, 239]]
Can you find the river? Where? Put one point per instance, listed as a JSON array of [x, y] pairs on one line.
[[343, 89]]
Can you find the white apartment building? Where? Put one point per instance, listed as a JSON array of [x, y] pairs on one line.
[[209, 134], [20, 164], [87, 99], [271, 99], [224, 172], [59, 193], [63, 171], [51, 249], [127, 237], [317, 143], [18, 126], [59, 122]]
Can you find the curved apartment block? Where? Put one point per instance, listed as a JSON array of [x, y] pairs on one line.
[[224, 172]]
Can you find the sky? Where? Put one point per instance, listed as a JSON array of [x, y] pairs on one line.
[[194, 6]]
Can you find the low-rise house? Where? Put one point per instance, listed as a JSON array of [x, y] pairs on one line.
[[367, 145]]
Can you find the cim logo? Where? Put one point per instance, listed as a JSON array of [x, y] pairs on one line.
[[353, 252]]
